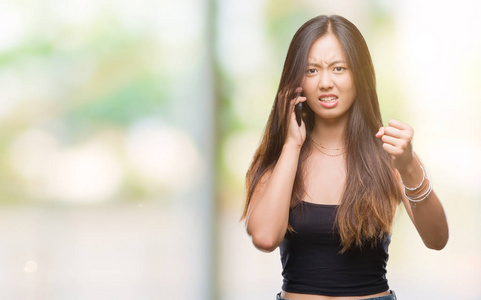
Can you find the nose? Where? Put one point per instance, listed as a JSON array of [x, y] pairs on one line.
[[325, 81]]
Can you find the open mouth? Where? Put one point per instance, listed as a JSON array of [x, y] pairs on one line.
[[328, 99]]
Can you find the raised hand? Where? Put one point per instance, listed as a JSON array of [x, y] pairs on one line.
[[296, 134], [397, 141]]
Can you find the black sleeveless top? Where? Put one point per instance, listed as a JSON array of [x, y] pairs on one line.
[[312, 264]]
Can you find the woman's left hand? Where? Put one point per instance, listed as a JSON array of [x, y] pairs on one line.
[[397, 141]]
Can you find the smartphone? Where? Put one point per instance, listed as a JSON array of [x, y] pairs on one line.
[[298, 111]]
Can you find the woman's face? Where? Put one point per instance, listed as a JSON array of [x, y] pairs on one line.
[[328, 83]]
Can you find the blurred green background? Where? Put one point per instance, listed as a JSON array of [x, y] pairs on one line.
[[127, 127]]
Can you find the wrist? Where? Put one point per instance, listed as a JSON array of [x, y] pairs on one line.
[[421, 191], [292, 146], [412, 173], [409, 168]]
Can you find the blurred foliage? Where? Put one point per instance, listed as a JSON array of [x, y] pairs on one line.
[[127, 103], [283, 20], [75, 82]]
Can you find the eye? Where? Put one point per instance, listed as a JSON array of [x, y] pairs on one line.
[[311, 71], [339, 69]]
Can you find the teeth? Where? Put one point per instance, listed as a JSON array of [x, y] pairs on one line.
[[328, 99]]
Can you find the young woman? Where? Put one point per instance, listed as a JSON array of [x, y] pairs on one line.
[[326, 191]]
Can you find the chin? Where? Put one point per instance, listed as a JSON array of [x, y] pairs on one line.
[[332, 116]]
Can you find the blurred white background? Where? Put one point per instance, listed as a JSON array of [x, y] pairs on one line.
[[127, 128]]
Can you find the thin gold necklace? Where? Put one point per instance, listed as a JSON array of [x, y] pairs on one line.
[[325, 147], [331, 155]]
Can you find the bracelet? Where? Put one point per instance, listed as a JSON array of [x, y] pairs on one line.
[[413, 189], [415, 199], [421, 197]]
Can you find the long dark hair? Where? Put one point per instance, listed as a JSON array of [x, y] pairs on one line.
[[371, 193]]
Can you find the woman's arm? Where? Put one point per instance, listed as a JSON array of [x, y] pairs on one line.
[[268, 212], [428, 215]]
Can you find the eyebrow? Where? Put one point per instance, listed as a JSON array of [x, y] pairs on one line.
[[330, 64]]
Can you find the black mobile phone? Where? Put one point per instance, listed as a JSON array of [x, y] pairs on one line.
[[298, 111]]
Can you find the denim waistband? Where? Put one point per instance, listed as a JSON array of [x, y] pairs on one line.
[[387, 297]]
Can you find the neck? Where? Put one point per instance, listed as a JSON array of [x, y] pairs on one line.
[[329, 133]]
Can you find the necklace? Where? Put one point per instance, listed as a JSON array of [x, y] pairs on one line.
[[318, 144], [331, 155]]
